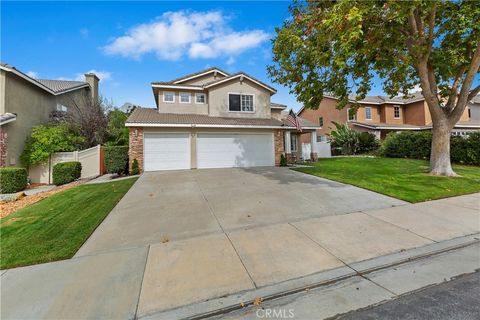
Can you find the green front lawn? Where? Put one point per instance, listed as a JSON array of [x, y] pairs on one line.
[[400, 178], [56, 227]]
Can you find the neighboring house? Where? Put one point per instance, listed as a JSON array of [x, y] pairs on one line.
[[213, 119], [26, 102], [381, 115]]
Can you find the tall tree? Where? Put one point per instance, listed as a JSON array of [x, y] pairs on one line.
[[336, 47]]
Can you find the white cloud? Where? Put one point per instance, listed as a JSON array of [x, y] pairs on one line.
[[84, 32], [32, 74], [194, 34]]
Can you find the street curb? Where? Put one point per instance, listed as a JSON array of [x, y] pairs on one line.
[[239, 300]]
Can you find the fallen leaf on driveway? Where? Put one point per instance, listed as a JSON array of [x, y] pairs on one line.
[[258, 301]]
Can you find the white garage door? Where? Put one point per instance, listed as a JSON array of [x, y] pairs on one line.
[[166, 151], [234, 150]]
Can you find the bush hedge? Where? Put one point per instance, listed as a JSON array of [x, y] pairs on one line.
[[367, 142], [65, 172], [116, 159], [13, 179], [417, 145]]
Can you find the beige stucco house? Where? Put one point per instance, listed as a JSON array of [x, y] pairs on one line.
[[26, 102], [381, 115], [213, 119]]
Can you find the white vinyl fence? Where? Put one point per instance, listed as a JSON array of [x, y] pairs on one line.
[[323, 150], [91, 160]]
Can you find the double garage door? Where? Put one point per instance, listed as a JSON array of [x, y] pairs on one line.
[[171, 151]]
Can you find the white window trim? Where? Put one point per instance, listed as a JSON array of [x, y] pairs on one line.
[[201, 94], [163, 94], [180, 97], [245, 94], [369, 108], [399, 112], [348, 115]]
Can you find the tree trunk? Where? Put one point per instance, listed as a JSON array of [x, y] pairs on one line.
[[440, 155]]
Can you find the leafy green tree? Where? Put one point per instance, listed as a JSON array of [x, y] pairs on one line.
[[45, 140], [336, 46], [117, 133]]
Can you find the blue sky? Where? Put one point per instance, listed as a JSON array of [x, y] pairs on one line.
[[131, 44]]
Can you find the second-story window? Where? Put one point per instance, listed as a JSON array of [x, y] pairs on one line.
[[168, 97], [184, 97], [351, 114], [200, 98], [396, 112], [368, 113], [240, 102]]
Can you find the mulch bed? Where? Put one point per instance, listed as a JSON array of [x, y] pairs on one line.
[[7, 208]]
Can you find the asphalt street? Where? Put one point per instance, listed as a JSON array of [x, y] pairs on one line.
[[457, 299]]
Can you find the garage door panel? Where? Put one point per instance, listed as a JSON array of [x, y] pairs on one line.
[[166, 151], [234, 150]]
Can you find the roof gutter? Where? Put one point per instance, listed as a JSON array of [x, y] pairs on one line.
[[189, 125]]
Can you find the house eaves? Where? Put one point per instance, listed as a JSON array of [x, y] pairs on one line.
[[240, 75], [200, 74], [41, 85]]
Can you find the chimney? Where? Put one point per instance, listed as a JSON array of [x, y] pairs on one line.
[[92, 80]]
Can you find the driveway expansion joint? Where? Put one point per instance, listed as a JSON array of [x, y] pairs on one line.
[[272, 294]]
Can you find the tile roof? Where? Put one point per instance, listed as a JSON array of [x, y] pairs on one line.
[[152, 116], [211, 83], [278, 105], [382, 125], [7, 117], [198, 73], [303, 123], [58, 86]]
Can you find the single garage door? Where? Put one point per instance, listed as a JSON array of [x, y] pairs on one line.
[[166, 151], [234, 150]]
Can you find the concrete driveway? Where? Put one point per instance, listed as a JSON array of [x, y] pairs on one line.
[[182, 243], [173, 205]]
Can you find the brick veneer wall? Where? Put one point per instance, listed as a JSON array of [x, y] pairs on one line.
[[3, 148], [278, 144], [135, 147]]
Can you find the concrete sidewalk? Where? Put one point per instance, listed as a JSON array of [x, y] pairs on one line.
[[198, 275]]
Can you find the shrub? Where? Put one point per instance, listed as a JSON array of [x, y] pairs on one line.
[[344, 139], [417, 145], [135, 169], [47, 139], [367, 142], [466, 150], [407, 144], [116, 159], [13, 179], [65, 172], [283, 160]]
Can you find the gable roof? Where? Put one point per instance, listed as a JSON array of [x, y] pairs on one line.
[[62, 86], [199, 74], [378, 100], [55, 87], [240, 75]]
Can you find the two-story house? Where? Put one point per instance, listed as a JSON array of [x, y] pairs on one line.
[[381, 115], [213, 119], [26, 102]]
